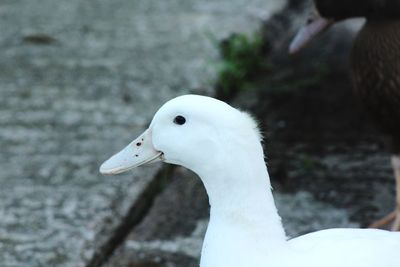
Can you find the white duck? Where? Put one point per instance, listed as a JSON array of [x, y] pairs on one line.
[[222, 145]]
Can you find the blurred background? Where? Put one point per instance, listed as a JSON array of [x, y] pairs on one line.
[[81, 79]]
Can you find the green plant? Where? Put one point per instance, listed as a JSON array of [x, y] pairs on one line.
[[243, 58]]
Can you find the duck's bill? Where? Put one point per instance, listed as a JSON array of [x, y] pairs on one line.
[[315, 25], [139, 152]]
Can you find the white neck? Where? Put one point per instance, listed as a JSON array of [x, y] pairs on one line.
[[244, 223]]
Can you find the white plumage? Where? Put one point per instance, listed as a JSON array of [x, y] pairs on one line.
[[222, 146]]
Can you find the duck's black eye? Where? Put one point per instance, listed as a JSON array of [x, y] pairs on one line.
[[180, 120]]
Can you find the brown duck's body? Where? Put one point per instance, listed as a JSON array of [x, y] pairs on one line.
[[376, 75], [375, 63]]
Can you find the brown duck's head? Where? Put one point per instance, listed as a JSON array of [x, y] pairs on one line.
[[328, 12]]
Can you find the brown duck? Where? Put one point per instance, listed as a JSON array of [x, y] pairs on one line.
[[375, 67]]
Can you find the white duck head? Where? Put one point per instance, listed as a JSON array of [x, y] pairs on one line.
[[192, 131]]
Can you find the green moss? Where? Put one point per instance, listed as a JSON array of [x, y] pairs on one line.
[[243, 59]]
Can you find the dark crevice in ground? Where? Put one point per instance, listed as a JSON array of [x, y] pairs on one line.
[[136, 213], [176, 209]]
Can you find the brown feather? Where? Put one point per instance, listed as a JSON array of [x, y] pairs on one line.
[[376, 75]]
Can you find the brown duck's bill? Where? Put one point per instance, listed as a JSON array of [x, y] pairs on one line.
[[315, 25], [139, 152]]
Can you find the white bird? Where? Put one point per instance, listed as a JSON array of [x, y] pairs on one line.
[[222, 145]]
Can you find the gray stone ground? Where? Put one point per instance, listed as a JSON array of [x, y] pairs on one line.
[[78, 80]]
